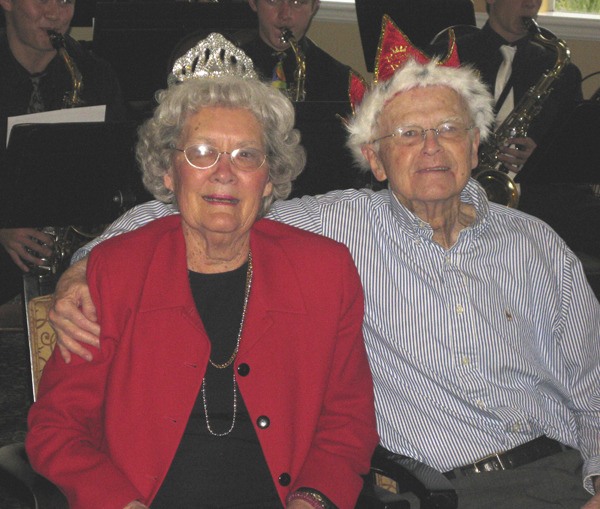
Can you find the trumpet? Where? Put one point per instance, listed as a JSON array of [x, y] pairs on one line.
[[296, 92]]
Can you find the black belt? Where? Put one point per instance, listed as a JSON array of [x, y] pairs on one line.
[[529, 452]]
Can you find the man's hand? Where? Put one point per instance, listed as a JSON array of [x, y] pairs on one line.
[[15, 240], [516, 152], [73, 314]]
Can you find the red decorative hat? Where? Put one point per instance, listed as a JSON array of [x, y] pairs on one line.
[[393, 51]]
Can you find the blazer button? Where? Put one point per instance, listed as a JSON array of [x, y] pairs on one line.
[[285, 479], [263, 422], [243, 369]]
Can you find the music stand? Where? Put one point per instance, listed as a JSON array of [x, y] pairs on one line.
[[81, 174], [69, 173], [138, 37], [570, 152]]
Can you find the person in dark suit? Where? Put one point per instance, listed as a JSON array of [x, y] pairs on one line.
[[327, 79], [571, 209], [34, 78]]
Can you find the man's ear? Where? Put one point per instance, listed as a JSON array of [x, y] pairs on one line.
[[375, 163], [252, 4], [475, 149], [316, 6]]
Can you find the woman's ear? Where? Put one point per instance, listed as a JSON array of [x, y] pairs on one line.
[[168, 181]]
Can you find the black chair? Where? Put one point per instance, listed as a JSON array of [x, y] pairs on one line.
[[399, 482], [420, 20], [17, 478]]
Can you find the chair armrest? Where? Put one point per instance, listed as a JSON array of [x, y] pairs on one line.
[[408, 480], [19, 479]]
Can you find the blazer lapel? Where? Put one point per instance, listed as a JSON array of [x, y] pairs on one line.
[[274, 293]]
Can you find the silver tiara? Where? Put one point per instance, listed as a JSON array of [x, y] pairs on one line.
[[212, 57]]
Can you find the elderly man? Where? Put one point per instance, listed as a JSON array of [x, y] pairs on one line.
[[482, 333]]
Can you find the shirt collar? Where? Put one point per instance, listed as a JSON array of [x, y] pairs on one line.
[[415, 227], [497, 40]]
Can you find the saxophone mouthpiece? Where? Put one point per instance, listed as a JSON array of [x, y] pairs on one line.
[[286, 35], [530, 25], [56, 39]]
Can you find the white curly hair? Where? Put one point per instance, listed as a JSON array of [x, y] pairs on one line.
[[463, 80]]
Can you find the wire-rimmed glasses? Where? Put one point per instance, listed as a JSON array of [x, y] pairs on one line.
[[203, 156], [412, 135]]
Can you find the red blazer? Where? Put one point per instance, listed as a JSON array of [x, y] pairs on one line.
[[106, 432]]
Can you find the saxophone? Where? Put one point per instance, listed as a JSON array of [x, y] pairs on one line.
[[296, 92], [72, 99], [67, 239], [499, 187]]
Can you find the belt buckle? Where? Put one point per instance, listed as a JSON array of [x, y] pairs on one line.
[[480, 466]]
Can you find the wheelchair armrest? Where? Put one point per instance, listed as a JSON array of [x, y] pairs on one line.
[[405, 476], [30, 488]]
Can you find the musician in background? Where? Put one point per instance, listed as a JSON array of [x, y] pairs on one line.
[[34, 78], [505, 32], [326, 78], [572, 210]]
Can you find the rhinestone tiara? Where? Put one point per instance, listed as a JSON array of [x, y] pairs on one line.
[[212, 57]]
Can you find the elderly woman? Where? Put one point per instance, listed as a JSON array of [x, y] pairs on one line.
[[232, 370]]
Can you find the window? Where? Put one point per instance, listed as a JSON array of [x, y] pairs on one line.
[[583, 6]]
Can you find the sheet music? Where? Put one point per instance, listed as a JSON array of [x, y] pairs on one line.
[[85, 114]]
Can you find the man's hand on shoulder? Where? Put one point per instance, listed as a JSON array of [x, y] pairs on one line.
[[73, 314]]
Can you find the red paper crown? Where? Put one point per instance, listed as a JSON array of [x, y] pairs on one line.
[[393, 51]]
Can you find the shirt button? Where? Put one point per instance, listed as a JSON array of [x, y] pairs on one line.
[[284, 479], [460, 309], [481, 404], [243, 369], [516, 427], [263, 422], [465, 360]]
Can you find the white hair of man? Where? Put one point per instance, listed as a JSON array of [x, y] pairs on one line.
[[463, 80]]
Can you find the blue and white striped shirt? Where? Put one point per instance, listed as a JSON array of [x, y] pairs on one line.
[[475, 349]]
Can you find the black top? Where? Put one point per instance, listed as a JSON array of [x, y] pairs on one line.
[[482, 49], [212, 471], [100, 84], [326, 78]]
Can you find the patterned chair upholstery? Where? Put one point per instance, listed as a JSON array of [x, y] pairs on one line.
[[42, 337]]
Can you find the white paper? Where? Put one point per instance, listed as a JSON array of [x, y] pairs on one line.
[[85, 114]]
